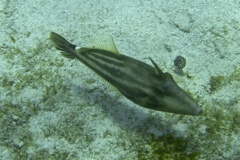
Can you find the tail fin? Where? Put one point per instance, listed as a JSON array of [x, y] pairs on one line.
[[67, 49]]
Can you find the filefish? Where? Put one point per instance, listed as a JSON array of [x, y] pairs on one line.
[[145, 85]]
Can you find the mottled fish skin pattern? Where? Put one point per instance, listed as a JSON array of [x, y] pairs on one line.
[[141, 83]]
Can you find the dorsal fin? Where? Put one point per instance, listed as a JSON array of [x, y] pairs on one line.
[[103, 42], [157, 69]]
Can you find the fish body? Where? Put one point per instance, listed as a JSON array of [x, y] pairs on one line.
[[141, 83]]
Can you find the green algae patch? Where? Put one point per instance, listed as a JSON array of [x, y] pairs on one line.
[[166, 148], [216, 82]]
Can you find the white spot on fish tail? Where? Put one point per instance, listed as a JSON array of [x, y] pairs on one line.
[[77, 47]]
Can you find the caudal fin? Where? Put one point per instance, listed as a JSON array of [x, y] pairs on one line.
[[67, 49]]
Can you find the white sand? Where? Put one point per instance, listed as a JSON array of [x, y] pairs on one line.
[[55, 108]]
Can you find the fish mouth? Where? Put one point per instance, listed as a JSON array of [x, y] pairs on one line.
[[198, 111]]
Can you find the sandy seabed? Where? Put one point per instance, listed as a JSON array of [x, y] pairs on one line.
[[55, 108]]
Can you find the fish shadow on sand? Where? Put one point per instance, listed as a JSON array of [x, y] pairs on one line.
[[125, 113]]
